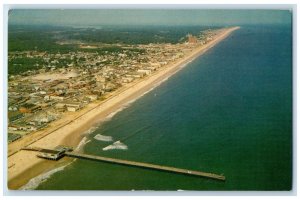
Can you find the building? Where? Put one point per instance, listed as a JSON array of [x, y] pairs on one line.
[[61, 107], [14, 115], [144, 71], [13, 137], [12, 128], [92, 97], [55, 154], [51, 154], [127, 79], [69, 106], [73, 106], [57, 98], [29, 108], [43, 117], [192, 39], [110, 87]]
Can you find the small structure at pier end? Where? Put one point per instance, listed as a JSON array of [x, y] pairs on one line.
[[54, 154]]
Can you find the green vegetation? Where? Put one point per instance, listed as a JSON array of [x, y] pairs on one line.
[[136, 35], [48, 39], [20, 65], [45, 38]]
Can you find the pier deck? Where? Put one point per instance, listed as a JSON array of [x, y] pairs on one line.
[[146, 165], [134, 163]]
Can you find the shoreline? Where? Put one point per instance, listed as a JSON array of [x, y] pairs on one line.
[[24, 165]]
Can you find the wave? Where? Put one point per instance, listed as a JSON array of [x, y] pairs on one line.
[[124, 106], [91, 130], [81, 144], [184, 65], [36, 181], [103, 138], [111, 115], [127, 104], [116, 145]]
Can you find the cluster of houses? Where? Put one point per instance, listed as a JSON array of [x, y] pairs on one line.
[[35, 102]]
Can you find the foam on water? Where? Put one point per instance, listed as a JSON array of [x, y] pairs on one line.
[[184, 65], [111, 115], [91, 130], [85, 133], [81, 144], [103, 138], [36, 181], [116, 145], [127, 104]]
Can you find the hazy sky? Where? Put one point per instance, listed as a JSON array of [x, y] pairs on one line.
[[148, 17]]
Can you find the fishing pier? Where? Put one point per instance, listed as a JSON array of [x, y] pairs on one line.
[[61, 151]]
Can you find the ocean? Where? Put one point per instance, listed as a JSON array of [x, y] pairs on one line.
[[227, 112]]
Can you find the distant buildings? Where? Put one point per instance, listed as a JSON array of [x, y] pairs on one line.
[[192, 39], [69, 106], [38, 97]]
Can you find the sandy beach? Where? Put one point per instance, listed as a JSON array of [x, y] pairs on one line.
[[70, 130]]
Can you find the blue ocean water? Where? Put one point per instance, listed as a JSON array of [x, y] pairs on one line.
[[228, 112]]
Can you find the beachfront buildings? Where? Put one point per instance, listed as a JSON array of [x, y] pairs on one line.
[[65, 83]]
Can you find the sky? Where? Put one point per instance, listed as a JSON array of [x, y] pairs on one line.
[[98, 17]]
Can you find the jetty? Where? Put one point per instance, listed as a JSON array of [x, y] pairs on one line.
[[61, 151]]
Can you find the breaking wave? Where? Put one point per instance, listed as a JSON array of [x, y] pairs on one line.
[[83, 142], [91, 130], [111, 115], [124, 106], [116, 145], [36, 181], [127, 104], [103, 138]]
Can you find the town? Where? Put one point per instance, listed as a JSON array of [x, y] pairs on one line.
[[67, 82]]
